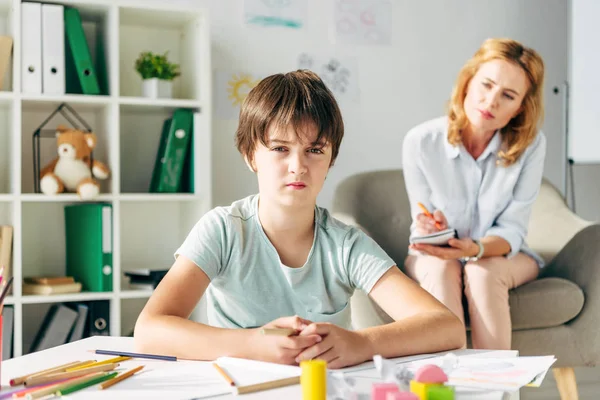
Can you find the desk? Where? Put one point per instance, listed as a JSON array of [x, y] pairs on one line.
[[83, 350]]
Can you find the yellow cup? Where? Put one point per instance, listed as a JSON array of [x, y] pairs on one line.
[[314, 379]]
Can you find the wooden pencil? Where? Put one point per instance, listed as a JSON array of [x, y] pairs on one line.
[[46, 390], [295, 380], [224, 374], [60, 368], [120, 378], [96, 363], [278, 331], [65, 375]]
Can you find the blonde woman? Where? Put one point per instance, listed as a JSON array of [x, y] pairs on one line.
[[480, 168]]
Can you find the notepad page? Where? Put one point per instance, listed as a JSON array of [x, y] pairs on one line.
[[248, 372]]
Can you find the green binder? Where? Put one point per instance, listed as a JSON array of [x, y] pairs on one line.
[[78, 56], [172, 151], [88, 234]]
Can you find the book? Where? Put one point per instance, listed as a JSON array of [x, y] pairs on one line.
[[33, 288], [49, 280], [6, 46], [6, 238], [88, 231], [81, 73], [55, 328], [8, 318], [440, 238]]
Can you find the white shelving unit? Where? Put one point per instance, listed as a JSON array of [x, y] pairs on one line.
[[147, 227]]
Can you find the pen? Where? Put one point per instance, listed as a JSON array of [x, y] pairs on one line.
[[430, 215], [136, 355]]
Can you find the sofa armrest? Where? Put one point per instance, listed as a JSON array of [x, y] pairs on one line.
[[579, 262]]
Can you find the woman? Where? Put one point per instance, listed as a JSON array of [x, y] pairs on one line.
[[480, 169]]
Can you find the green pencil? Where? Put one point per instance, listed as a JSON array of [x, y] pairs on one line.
[[83, 385]]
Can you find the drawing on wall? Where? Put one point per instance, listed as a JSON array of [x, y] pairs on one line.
[[286, 13], [231, 91], [363, 22], [340, 74]]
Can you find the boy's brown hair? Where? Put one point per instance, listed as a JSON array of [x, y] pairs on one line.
[[295, 98]]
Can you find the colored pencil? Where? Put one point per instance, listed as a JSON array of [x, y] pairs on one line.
[[53, 387], [64, 375], [120, 378], [278, 331], [80, 386], [95, 364], [224, 374], [136, 355], [21, 379], [295, 380]]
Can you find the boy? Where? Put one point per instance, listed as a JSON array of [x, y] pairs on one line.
[[276, 260]]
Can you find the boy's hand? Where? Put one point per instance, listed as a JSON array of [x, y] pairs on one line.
[[339, 348], [283, 349], [426, 225]]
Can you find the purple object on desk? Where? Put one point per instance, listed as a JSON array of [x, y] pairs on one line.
[[136, 355]]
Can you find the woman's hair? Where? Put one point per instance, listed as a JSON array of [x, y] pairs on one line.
[[292, 99], [520, 132]]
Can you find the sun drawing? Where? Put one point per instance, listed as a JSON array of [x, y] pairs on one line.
[[239, 86]]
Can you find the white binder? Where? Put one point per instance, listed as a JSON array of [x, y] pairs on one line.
[[53, 49], [31, 48]]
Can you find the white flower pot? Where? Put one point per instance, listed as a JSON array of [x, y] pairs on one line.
[[165, 89], [150, 88]]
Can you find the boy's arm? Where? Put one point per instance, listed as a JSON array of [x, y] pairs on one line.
[[163, 326], [422, 324]]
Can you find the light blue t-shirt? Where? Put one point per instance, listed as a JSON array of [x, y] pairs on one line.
[[251, 287]]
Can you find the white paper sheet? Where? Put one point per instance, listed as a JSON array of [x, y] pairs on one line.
[[363, 22], [285, 13], [340, 74]]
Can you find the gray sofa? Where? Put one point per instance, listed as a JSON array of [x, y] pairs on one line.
[[557, 314]]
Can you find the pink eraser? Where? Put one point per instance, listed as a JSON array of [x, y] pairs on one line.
[[430, 374], [379, 391], [402, 396]]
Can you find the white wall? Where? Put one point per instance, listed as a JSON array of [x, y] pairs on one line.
[[401, 85]]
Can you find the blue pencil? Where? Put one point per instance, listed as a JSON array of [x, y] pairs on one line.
[[136, 355]]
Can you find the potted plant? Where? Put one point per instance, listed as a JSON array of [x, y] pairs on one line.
[[157, 74]]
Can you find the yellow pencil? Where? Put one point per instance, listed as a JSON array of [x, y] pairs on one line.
[[224, 374], [60, 368], [95, 364], [65, 375], [278, 331], [120, 378]]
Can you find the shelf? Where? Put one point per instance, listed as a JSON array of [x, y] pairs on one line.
[[142, 104], [6, 197], [135, 294], [9, 300], [60, 198], [6, 97], [84, 102], [159, 197], [60, 298]]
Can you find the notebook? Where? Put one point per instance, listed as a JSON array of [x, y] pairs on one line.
[[440, 238]]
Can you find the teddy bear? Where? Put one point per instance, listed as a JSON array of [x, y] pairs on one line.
[[71, 170]]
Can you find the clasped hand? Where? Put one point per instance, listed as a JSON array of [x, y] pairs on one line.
[[314, 340], [456, 249]]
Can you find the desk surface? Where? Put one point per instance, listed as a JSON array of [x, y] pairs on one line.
[[84, 350]]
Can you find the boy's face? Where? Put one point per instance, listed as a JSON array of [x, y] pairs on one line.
[[292, 168]]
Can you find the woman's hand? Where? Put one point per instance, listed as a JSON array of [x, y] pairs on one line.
[[283, 349], [339, 348], [458, 249], [426, 225]]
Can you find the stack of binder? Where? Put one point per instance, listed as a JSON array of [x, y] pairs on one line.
[[55, 56]]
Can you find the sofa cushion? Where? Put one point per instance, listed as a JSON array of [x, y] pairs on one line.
[[545, 303]]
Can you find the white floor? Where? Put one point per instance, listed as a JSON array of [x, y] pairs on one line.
[[588, 385]]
